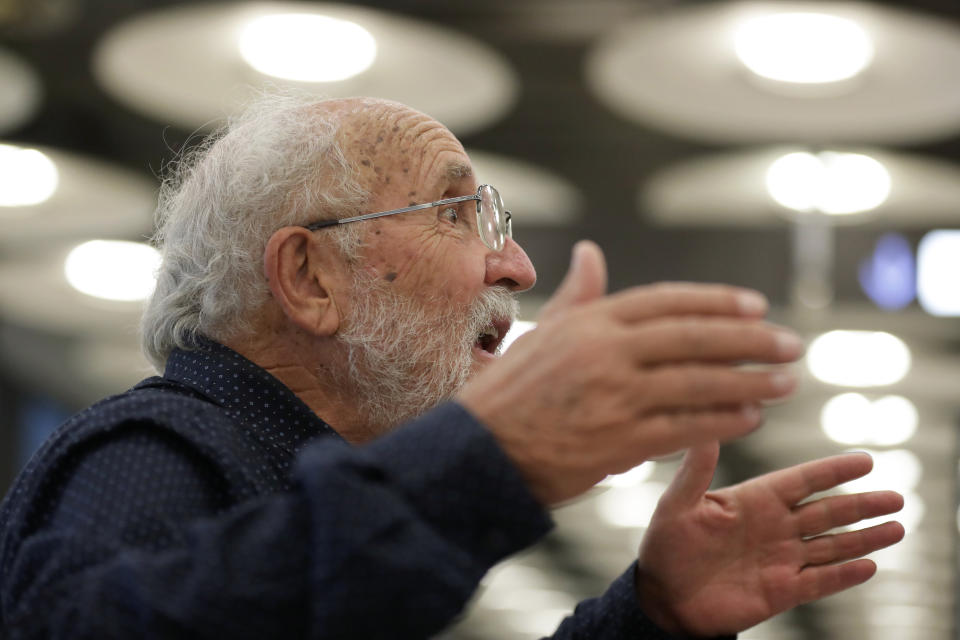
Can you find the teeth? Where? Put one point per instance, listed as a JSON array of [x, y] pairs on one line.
[[490, 331]]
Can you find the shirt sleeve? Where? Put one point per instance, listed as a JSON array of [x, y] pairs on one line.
[[388, 540], [383, 541], [491, 508], [614, 615]]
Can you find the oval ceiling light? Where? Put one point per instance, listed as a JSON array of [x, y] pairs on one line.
[[858, 358], [27, 177], [677, 69], [307, 47], [803, 48], [113, 269], [183, 64], [76, 197], [852, 418], [730, 189], [828, 182]]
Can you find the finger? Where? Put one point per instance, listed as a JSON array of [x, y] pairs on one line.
[[585, 280], [820, 582], [665, 433], [695, 474], [816, 517], [677, 299], [713, 339], [703, 385], [839, 547], [801, 481]]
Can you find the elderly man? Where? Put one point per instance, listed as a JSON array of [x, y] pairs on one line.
[[335, 450]]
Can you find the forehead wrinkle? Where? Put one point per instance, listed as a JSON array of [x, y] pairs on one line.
[[379, 131], [411, 125], [432, 171], [421, 139], [387, 138]]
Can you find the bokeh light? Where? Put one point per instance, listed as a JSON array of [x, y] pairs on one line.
[[27, 176], [803, 48], [828, 182], [113, 269], [307, 47], [858, 358]]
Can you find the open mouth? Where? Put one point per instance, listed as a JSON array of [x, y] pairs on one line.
[[492, 335]]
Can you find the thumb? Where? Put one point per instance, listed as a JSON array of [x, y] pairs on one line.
[[695, 474], [586, 279]]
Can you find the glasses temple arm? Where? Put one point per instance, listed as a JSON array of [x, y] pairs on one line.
[[369, 216]]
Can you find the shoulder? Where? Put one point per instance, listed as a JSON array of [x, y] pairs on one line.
[[162, 412], [130, 433]]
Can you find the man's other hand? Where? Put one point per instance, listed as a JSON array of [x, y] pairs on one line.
[[720, 562]]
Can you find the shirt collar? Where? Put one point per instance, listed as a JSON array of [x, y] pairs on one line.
[[269, 410]]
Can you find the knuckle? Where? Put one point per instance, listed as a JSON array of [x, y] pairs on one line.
[[696, 336], [659, 434], [822, 549], [695, 383], [819, 517]]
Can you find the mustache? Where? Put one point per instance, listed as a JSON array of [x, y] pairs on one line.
[[495, 303]]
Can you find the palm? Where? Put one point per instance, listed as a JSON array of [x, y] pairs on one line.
[[722, 561]]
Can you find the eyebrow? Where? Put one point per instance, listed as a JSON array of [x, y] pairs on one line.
[[457, 170], [452, 172]]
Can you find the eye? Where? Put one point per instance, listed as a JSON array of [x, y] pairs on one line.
[[450, 214]]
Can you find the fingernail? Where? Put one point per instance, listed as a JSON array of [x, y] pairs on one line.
[[783, 380], [577, 254], [752, 303], [789, 344]]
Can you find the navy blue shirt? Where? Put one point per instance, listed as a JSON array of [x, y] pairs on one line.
[[213, 503]]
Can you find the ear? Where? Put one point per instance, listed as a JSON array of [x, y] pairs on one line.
[[301, 284]]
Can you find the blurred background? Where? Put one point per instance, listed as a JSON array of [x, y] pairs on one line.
[[810, 150]]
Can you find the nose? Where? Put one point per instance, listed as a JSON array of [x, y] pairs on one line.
[[510, 267]]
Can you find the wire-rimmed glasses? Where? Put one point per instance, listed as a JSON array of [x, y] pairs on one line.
[[494, 223]]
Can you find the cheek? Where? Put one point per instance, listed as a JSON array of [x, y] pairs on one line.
[[452, 281], [425, 264], [433, 264], [385, 259]]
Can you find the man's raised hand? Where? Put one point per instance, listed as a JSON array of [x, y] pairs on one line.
[[608, 381]]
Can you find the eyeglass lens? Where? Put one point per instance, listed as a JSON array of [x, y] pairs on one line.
[[490, 218]]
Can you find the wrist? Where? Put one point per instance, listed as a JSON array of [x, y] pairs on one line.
[[652, 600]]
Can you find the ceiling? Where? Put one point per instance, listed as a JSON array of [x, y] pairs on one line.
[[659, 193]]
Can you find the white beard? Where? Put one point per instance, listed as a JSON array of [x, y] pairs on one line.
[[405, 356]]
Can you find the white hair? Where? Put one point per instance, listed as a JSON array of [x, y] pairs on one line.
[[277, 164]]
